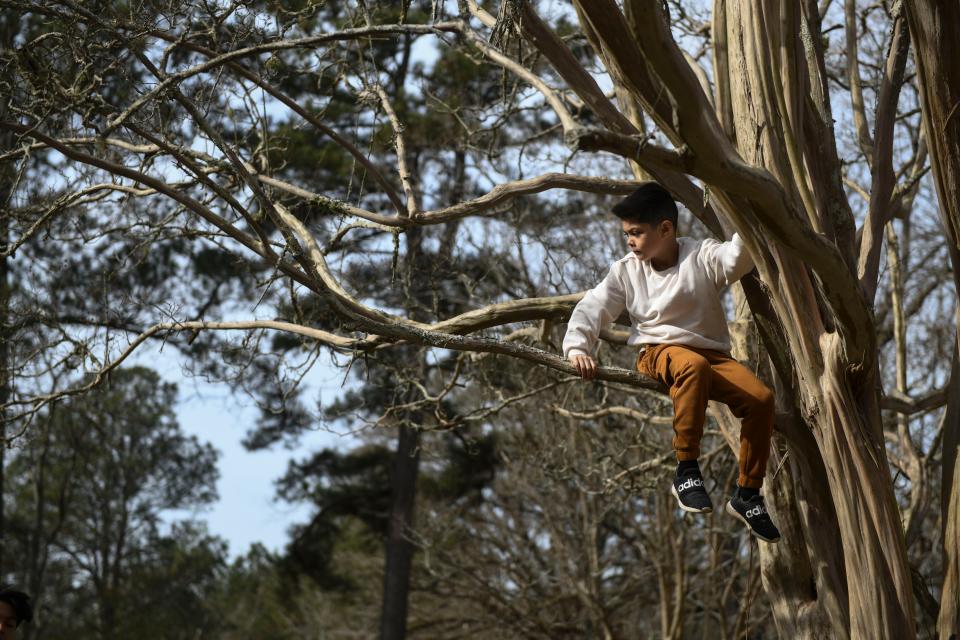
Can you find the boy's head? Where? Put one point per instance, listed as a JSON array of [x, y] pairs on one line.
[[649, 204], [649, 219], [14, 609]]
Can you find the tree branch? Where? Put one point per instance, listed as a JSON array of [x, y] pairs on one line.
[[881, 192]]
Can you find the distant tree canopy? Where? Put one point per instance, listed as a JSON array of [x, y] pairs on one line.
[[88, 488]]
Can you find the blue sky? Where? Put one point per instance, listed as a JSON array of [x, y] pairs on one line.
[[246, 511]]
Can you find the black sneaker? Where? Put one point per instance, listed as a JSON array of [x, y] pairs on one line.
[[691, 493], [753, 513]]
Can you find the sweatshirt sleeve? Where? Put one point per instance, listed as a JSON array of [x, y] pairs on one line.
[[599, 307], [725, 262]]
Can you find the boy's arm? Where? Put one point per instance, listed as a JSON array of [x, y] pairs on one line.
[[599, 307], [726, 262]]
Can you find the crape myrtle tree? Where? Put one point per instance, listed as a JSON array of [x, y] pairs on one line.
[[934, 28], [760, 118]]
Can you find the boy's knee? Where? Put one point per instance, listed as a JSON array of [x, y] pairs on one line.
[[757, 405], [766, 400], [765, 405], [696, 366]]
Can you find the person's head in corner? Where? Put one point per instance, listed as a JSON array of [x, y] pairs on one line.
[[15, 609], [649, 220]]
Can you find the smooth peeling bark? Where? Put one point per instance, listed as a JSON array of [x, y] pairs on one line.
[[948, 622], [878, 577], [806, 578], [831, 205], [803, 575], [845, 418], [805, 470], [935, 35], [798, 302], [797, 604]]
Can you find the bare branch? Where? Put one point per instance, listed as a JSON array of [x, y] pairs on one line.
[[853, 77], [404, 169], [160, 186], [634, 414], [173, 80], [331, 340], [881, 208], [503, 193], [904, 404]]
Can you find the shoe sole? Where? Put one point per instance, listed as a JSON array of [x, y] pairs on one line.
[[733, 512], [673, 490]]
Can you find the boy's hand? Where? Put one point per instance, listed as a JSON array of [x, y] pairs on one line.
[[585, 366]]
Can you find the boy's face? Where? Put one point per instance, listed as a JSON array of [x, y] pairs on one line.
[[647, 241], [8, 621]]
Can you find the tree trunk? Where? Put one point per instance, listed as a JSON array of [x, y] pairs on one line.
[[839, 402], [9, 24], [851, 441], [399, 548], [948, 622], [803, 575], [800, 235], [5, 367], [935, 33]]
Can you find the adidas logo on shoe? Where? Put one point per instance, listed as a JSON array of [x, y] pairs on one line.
[[690, 491], [755, 511]]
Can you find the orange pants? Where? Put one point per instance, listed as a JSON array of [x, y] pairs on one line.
[[696, 375]]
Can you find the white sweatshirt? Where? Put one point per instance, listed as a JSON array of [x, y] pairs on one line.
[[679, 305]]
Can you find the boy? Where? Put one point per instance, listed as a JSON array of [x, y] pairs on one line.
[[14, 609], [671, 288]]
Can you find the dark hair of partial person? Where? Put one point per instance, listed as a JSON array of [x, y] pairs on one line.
[[650, 204], [19, 601]]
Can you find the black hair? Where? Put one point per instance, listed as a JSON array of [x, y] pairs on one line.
[[649, 204], [19, 601]]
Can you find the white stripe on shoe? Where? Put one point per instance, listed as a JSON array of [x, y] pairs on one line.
[[733, 512], [673, 490]]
